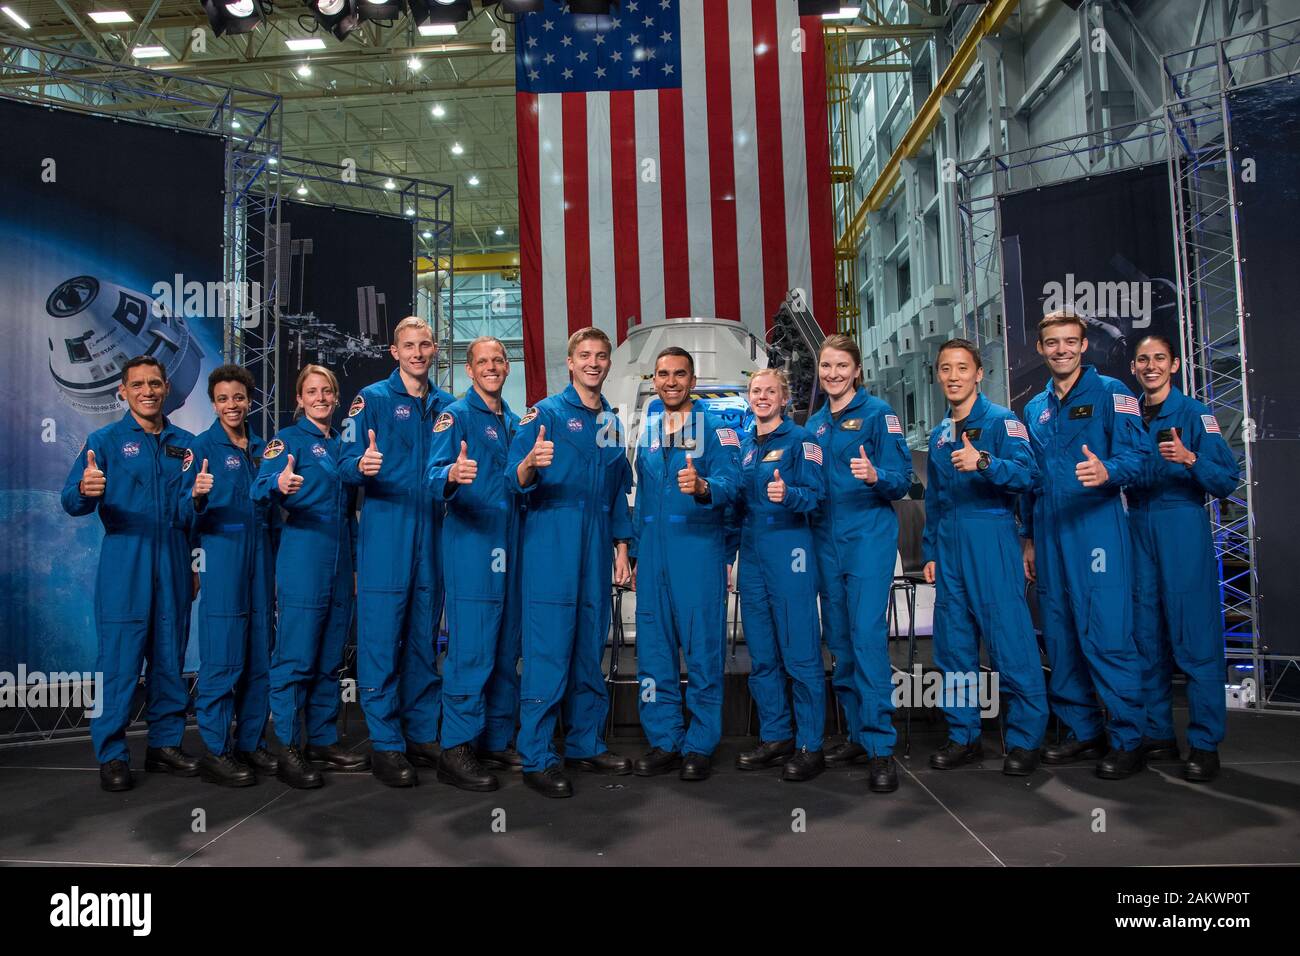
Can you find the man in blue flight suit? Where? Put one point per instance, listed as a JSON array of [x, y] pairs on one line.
[[236, 599], [687, 475], [480, 539], [399, 578], [569, 457], [979, 463], [1176, 602], [130, 472], [1086, 433]]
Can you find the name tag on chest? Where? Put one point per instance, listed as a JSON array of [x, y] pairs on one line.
[[1080, 411]]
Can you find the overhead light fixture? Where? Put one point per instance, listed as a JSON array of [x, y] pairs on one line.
[[304, 70], [844, 13], [302, 44], [302, 189], [410, 210], [234, 123], [438, 111], [110, 16], [12, 15], [414, 64], [437, 29], [473, 180], [232, 16], [500, 231], [439, 12], [426, 234], [273, 161], [389, 184], [457, 149], [380, 9], [337, 16], [149, 52]]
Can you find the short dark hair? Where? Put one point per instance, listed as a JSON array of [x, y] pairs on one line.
[[1156, 337], [965, 345], [680, 352], [229, 373], [140, 360]]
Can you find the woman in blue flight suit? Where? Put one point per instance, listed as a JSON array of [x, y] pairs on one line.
[[235, 598], [781, 483], [1176, 601], [313, 574], [867, 467]]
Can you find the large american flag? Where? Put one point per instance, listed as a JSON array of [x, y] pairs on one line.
[[673, 161]]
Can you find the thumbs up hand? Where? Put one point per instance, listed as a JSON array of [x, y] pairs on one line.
[[689, 481], [202, 481], [1091, 472], [93, 481], [372, 460], [289, 481], [776, 488], [967, 457], [862, 467], [464, 469], [543, 453]]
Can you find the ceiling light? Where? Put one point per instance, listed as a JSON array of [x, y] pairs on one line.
[[234, 124], [389, 184], [232, 16], [304, 70], [473, 180], [426, 234], [437, 29], [457, 149], [110, 16], [438, 111], [410, 210], [16, 18], [337, 16], [273, 161], [301, 44], [500, 231], [380, 9], [149, 52], [845, 13], [302, 189], [414, 64]]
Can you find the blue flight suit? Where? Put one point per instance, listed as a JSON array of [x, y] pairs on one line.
[[480, 547], [1176, 596], [970, 535], [313, 582], [778, 583], [1083, 553], [576, 510], [399, 578], [236, 597], [144, 585], [856, 536], [681, 573]]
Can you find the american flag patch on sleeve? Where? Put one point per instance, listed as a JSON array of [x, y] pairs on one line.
[[1016, 430], [727, 436], [812, 451], [1211, 424], [892, 424], [1127, 404]]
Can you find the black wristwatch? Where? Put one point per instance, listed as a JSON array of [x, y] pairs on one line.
[[983, 464]]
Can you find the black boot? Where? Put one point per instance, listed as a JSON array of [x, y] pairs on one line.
[[115, 776], [953, 754], [293, 769], [1202, 766], [882, 776], [171, 760], [550, 782], [459, 767], [1160, 750], [423, 755], [391, 767], [804, 765], [338, 760], [656, 761], [225, 771], [260, 760], [1118, 764], [845, 753], [1020, 762], [772, 753], [612, 764], [508, 759], [1072, 749], [696, 767]]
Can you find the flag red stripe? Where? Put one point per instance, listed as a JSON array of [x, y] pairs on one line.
[[624, 170], [577, 226], [530, 252], [672, 188], [722, 176], [771, 168], [821, 220]]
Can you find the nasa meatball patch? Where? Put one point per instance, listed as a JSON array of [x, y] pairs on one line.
[[130, 449], [402, 412], [445, 421], [187, 460], [528, 416], [273, 449], [233, 462], [318, 450]]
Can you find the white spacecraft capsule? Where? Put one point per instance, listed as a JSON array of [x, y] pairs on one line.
[[97, 327]]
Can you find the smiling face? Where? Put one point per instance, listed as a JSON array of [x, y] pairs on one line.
[[838, 373], [230, 402], [487, 367], [144, 391], [673, 381], [590, 363], [767, 396], [414, 351], [959, 375], [1153, 366], [318, 399], [1063, 346]]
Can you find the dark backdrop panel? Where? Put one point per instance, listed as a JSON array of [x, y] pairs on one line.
[[102, 211], [1266, 128], [354, 272], [1114, 228]]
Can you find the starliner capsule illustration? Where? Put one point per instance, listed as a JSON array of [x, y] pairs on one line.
[[96, 327]]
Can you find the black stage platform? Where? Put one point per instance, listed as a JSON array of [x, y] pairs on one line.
[[54, 812]]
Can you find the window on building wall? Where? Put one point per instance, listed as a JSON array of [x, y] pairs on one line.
[[869, 312], [904, 277]]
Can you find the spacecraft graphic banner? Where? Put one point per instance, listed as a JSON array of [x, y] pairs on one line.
[[1102, 246], [99, 220]]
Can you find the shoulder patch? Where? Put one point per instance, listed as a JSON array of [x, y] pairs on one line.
[[445, 421], [1127, 404], [273, 449], [727, 436], [892, 424], [358, 404], [188, 459], [1015, 429], [812, 452], [528, 416], [1211, 424]]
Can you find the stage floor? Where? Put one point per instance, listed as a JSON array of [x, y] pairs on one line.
[[54, 812]]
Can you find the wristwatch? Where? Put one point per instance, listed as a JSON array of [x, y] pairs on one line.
[[983, 464]]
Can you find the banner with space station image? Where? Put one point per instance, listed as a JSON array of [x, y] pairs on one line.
[[102, 226]]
